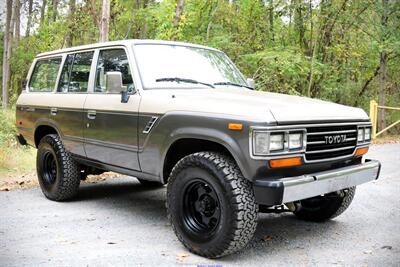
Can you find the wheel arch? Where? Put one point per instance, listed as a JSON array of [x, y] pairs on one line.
[[186, 144], [42, 130]]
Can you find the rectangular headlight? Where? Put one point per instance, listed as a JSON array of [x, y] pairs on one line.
[[261, 143], [360, 135], [276, 142], [266, 142], [295, 140], [367, 134]]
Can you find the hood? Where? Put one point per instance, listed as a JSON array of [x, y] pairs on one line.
[[268, 107]]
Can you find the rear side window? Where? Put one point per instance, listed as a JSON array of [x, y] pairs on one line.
[[44, 75], [75, 73], [113, 60]]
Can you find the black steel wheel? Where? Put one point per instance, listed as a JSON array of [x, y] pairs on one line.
[[201, 208], [58, 173], [49, 168], [211, 206]]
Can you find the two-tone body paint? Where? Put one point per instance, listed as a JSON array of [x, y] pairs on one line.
[[116, 140]]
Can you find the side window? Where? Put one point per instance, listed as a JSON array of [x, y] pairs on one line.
[[65, 74], [44, 75], [113, 60], [75, 73]]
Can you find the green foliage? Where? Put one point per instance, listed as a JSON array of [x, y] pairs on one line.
[[13, 157], [282, 44], [7, 129], [281, 70]]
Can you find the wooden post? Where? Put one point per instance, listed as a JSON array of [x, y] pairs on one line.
[[373, 115]]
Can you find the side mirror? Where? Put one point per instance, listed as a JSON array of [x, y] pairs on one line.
[[114, 85], [250, 82], [124, 96], [114, 82]]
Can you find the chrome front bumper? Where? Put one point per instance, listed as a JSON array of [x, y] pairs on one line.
[[275, 192]]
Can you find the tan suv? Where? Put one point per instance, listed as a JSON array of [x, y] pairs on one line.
[[183, 115]]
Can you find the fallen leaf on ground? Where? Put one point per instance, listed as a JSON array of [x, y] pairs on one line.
[[182, 256], [267, 238]]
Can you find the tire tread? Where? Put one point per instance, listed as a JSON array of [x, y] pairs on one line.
[[70, 172], [241, 198]]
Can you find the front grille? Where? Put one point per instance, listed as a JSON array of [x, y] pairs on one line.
[[319, 149]]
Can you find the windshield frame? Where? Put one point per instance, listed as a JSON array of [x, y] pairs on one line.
[[229, 61]]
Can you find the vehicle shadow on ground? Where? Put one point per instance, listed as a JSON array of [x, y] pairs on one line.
[[275, 234]]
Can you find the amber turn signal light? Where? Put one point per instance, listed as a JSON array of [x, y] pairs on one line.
[[361, 151], [288, 162], [235, 126]]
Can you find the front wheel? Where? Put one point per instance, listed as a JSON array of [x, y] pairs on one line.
[[211, 206], [322, 208]]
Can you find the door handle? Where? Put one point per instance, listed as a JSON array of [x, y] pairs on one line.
[[91, 114], [53, 111], [29, 109]]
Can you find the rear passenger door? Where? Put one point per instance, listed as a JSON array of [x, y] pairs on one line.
[[66, 110], [111, 126]]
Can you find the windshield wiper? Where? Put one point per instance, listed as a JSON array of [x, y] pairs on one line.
[[234, 84], [183, 80]]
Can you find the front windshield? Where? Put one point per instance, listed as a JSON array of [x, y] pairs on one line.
[[164, 66]]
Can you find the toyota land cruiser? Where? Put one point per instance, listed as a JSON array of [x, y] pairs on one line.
[[183, 115]]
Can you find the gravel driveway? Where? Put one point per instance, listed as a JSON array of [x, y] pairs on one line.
[[118, 222]]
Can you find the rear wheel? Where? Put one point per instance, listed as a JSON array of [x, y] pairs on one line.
[[211, 206], [58, 173], [325, 207]]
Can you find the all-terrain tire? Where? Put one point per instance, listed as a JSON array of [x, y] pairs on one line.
[[150, 184], [58, 173], [329, 206], [233, 194]]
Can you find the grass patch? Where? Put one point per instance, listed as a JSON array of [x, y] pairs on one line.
[[388, 139], [14, 158]]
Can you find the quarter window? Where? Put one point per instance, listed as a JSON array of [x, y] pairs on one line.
[[75, 73], [44, 75], [113, 60]]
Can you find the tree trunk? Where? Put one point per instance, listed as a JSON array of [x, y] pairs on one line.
[[17, 24], [211, 17], [70, 35], [271, 20], [299, 24], [7, 53], [105, 21], [54, 12], [43, 11], [382, 69], [382, 89], [178, 12], [29, 19]]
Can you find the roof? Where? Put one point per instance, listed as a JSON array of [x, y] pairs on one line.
[[120, 42]]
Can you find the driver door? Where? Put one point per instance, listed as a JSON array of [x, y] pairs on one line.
[[110, 132]]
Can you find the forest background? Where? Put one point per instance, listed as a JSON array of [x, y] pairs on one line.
[[345, 51]]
